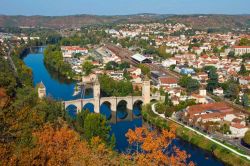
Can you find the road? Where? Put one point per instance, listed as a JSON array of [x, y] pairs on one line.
[[202, 134]]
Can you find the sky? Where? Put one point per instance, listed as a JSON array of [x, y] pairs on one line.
[[122, 7]]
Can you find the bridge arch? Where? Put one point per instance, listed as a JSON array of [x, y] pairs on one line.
[[88, 92], [137, 107], [71, 110], [106, 109], [89, 106], [122, 109]]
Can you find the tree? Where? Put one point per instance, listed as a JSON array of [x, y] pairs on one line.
[[124, 65], [168, 101], [112, 141], [112, 65], [87, 67], [144, 69], [244, 42], [57, 144], [162, 52], [169, 111], [160, 107], [245, 100], [246, 138], [80, 119], [243, 70], [212, 83], [189, 83], [231, 54], [154, 149], [96, 125], [232, 90], [225, 129]]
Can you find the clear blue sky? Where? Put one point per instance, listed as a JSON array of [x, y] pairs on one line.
[[121, 7]]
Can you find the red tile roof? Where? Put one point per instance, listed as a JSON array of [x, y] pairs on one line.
[[241, 46], [168, 80]]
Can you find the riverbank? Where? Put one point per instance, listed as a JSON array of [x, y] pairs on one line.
[[190, 136], [53, 59]]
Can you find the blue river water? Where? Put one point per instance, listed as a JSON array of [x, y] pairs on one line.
[[61, 89]]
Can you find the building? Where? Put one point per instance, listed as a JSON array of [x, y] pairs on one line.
[[168, 62], [238, 130], [140, 58], [169, 82], [41, 90], [201, 97], [69, 51], [218, 91], [187, 71], [134, 71], [214, 112], [155, 75], [240, 50]]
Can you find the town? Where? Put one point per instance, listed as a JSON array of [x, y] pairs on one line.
[[202, 78]]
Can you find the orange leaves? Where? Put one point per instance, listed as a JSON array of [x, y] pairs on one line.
[[154, 147]]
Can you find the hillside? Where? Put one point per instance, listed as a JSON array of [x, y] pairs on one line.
[[213, 21], [73, 21], [76, 21]]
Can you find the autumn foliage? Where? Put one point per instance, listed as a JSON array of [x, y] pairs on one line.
[[153, 148], [60, 145]]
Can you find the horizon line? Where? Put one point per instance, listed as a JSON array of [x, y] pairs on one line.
[[107, 15]]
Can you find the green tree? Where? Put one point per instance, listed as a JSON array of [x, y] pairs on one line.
[[245, 100], [144, 69], [87, 67], [212, 83], [246, 138], [169, 111], [112, 141], [112, 65], [168, 101], [96, 125], [225, 129], [190, 84], [231, 54], [232, 91], [243, 70], [160, 107], [244, 42], [80, 119]]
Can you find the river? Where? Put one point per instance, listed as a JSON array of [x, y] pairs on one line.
[[61, 89]]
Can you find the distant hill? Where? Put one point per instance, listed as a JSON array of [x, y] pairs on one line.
[[73, 21], [214, 21], [76, 21]]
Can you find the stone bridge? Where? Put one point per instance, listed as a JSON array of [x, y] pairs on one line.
[[113, 102]]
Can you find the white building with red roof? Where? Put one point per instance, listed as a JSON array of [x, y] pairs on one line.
[[168, 82], [69, 51], [240, 50]]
